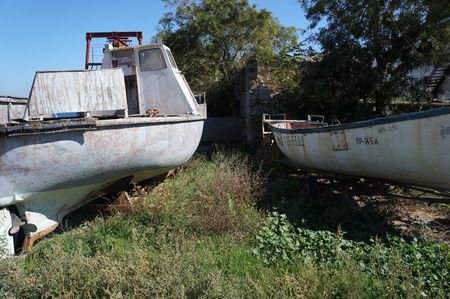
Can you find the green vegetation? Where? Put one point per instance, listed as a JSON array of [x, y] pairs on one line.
[[201, 234], [394, 266], [213, 39], [367, 49], [352, 62]]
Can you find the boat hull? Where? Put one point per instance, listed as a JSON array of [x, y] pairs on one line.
[[54, 173], [411, 148]]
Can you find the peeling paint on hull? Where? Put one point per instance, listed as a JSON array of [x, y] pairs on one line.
[[412, 150]]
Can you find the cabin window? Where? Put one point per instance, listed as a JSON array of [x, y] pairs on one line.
[[151, 60], [172, 61]]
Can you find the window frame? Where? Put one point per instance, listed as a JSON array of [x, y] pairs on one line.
[[171, 59], [141, 65]]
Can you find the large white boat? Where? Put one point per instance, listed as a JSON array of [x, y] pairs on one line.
[[81, 132], [408, 148]]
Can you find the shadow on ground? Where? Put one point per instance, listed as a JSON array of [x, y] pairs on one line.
[[361, 209]]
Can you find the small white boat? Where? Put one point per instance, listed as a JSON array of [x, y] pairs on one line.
[[82, 132], [409, 148]]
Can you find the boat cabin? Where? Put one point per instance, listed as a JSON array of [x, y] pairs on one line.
[[153, 81], [133, 81]]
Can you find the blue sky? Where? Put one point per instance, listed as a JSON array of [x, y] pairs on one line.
[[39, 35]]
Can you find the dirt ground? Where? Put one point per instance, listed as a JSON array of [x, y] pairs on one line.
[[405, 211]]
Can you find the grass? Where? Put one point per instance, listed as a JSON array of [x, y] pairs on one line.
[[200, 234]]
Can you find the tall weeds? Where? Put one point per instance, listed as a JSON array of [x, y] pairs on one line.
[[212, 197]]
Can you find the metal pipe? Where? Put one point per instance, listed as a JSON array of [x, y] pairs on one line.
[[88, 47]]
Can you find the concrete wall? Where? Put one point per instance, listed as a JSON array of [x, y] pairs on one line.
[[254, 99], [223, 129]]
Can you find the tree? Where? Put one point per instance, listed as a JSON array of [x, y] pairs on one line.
[[377, 40], [331, 85], [213, 39]]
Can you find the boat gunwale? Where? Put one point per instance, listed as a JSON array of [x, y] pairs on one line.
[[364, 123], [89, 124]]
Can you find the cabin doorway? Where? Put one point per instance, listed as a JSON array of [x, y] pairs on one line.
[[124, 58], [132, 94]]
